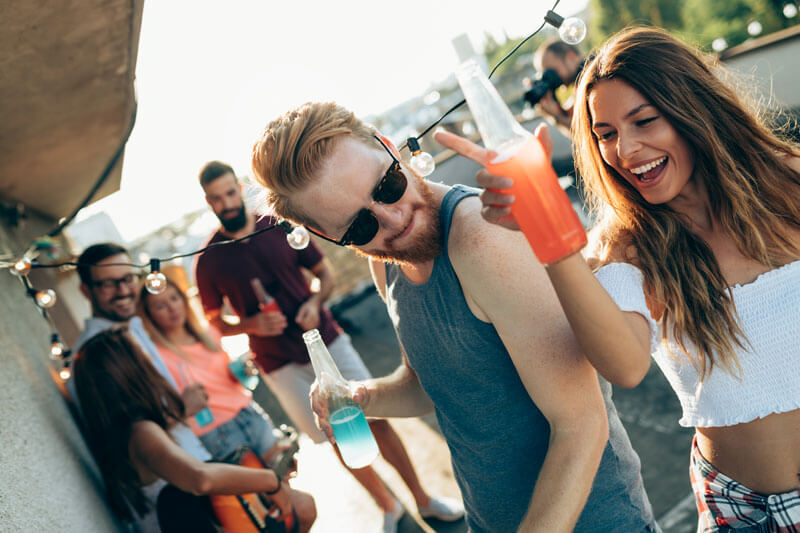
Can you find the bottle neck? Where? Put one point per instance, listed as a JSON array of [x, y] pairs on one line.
[[321, 359]]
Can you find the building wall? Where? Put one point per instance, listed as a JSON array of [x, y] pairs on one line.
[[775, 70], [49, 481]]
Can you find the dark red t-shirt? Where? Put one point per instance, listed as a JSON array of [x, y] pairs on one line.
[[227, 271]]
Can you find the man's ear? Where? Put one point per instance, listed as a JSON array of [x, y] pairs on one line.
[[390, 145], [86, 291]]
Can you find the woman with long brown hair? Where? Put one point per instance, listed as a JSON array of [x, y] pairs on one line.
[[129, 409], [697, 246]]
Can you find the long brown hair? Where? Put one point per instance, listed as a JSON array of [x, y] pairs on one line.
[[193, 325], [741, 163], [118, 386]]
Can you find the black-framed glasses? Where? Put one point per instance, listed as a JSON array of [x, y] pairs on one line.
[[112, 284], [391, 187]]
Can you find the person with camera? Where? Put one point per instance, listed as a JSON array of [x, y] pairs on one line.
[[559, 64]]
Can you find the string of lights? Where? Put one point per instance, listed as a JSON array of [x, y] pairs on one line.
[[571, 30]]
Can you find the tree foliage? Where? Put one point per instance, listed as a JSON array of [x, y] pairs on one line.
[[697, 21]]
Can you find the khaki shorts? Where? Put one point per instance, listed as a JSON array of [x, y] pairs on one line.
[[291, 384]]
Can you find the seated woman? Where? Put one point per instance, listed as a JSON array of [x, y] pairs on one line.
[[129, 409], [193, 353]]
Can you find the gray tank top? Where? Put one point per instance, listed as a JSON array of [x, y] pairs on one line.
[[497, 436]]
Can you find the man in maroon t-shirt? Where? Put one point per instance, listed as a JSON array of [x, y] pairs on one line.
[[227, 272]]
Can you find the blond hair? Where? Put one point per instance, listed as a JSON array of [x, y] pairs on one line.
[[293, 147], [741, 163], [193, 325]]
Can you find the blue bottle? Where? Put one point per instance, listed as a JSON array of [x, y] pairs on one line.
[[350, 427]]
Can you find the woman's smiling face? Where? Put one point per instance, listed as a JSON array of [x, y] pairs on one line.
[[637, 141]]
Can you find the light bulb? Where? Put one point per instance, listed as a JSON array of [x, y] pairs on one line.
[[789, 10], [56, 350], [46, 298], [56, 347], [155, 282], [21, 267], [572, 30], [298, 238], [64, 374], [422, 163], [754, 28]]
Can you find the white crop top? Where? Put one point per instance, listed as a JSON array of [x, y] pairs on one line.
[[769, 313]]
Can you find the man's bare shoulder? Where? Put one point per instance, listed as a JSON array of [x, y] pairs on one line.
[[474, 240]]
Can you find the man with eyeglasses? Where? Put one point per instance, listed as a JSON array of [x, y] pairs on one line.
[[111, 284], [228, 273], [536, 443]]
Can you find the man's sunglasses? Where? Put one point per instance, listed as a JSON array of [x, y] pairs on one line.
[[389, 190]]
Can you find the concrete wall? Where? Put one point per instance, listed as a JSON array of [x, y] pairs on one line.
[[774, 69], [49, 481]]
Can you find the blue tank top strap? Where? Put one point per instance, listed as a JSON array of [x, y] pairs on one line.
[[449, 204]]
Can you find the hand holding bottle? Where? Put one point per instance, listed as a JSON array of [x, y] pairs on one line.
[[496, 201], [320, 406], [541, 207]]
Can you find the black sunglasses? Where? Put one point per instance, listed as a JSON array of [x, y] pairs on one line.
[[390, 188]]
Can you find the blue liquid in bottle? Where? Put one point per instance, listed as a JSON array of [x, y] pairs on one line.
[[353, 436], [204, 417]]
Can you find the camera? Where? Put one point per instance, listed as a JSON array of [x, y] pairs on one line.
[[547, 81]]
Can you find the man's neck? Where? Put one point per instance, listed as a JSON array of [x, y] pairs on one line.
[[248, 228]]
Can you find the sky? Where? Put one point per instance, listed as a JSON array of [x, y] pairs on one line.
[[210, 75]]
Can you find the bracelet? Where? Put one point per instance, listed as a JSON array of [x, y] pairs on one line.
[[277, 490]]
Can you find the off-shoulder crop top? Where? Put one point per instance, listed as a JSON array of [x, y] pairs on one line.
[[769, 382]]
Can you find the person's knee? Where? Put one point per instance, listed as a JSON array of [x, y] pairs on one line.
[[305, 508]]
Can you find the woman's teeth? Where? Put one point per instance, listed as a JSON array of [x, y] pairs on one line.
[[649, 166]]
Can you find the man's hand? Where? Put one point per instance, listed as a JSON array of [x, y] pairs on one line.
[[496, 203], [308, 315], [319, 404], [550, 106], [266, 323], [195, 399]]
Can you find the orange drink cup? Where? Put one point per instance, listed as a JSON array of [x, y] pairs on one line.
[[541, 207]]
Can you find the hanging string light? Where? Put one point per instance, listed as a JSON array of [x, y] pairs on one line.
[[421, 162], [56, 347], [21, 267], [45, 299], [155, 282], [65, 373], [572, 30]]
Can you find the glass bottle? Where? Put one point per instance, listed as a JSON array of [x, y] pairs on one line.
[[350, 427], [541, 207]]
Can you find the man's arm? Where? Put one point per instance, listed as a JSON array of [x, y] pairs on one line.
[[561, 117], [399, 394], [505, 285]]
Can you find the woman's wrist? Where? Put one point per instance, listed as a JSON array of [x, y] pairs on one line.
[[278, 488]]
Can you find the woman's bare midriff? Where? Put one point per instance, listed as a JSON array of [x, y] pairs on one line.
[[763, 455]]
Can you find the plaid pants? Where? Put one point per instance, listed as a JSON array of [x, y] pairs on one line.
[[725, 505]]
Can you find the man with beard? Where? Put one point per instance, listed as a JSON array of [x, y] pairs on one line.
[[227, 273], [485, 343], [111, 284]]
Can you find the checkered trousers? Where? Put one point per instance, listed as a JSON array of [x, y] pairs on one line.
[[725, 505]]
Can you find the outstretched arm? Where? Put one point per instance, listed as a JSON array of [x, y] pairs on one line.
[[617, 343]]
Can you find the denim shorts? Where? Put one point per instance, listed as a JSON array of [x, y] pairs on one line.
[[251, 427]]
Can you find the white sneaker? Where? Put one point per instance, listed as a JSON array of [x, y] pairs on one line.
[[445, 509], [390, 520]]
